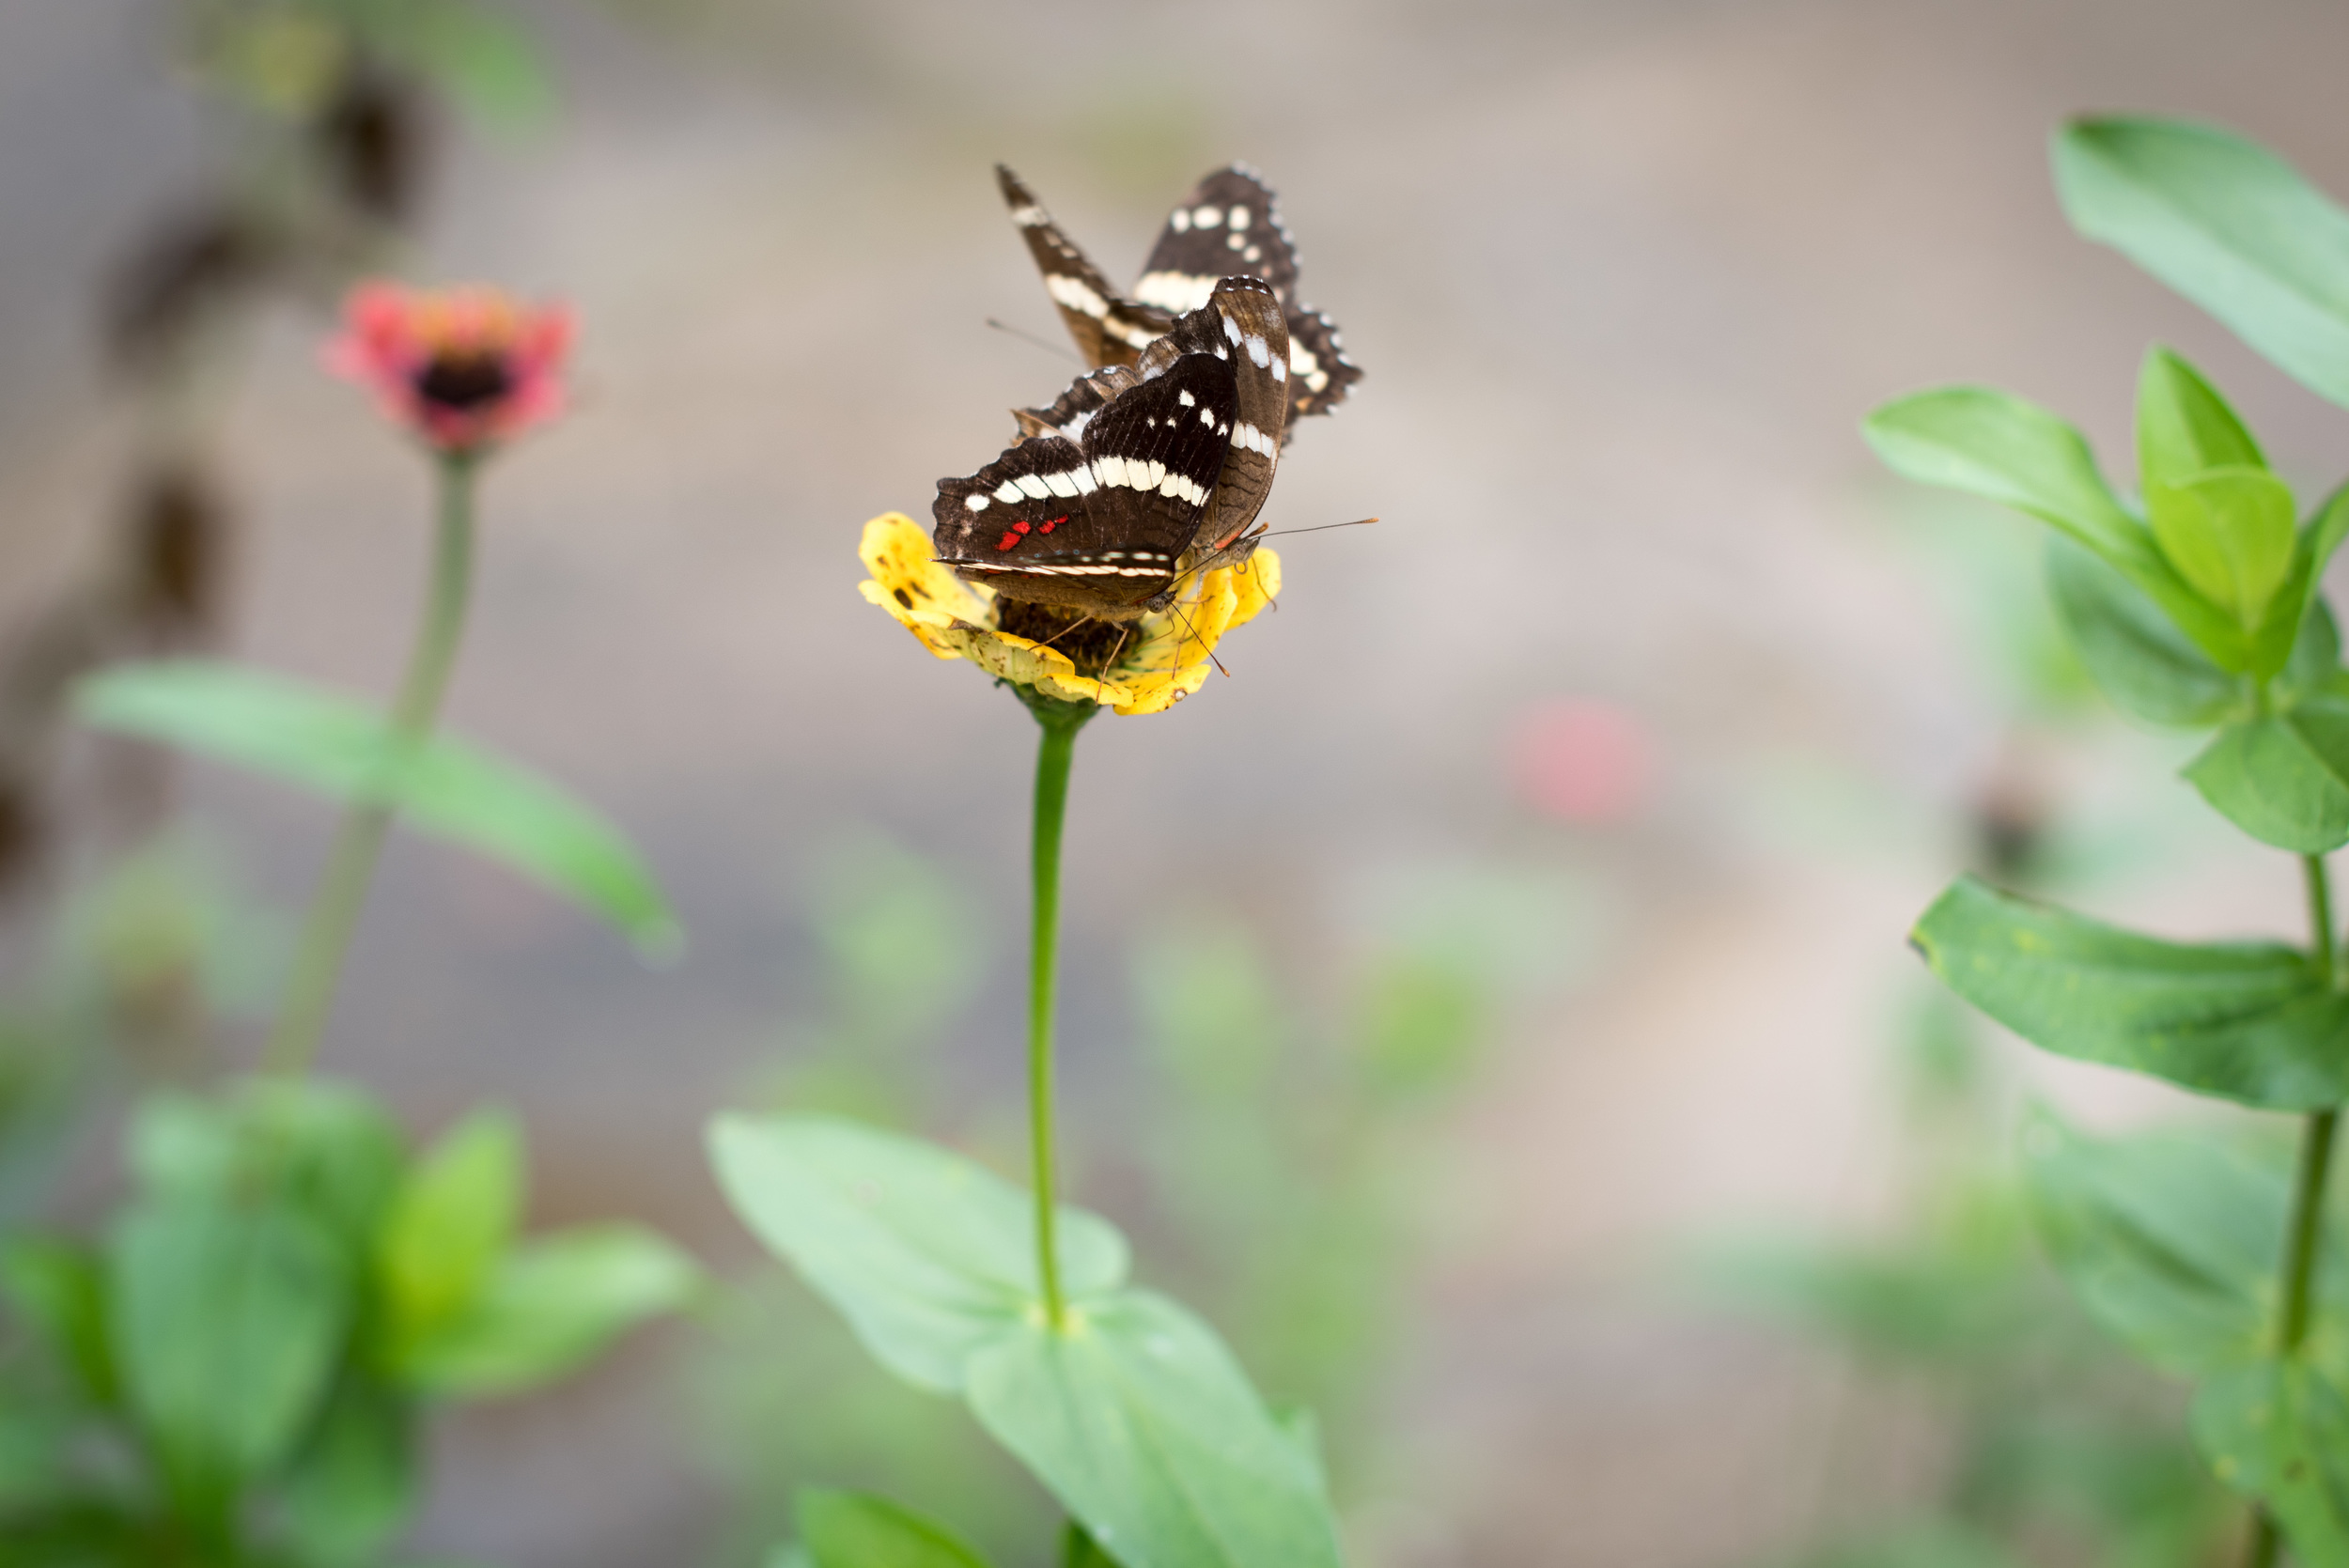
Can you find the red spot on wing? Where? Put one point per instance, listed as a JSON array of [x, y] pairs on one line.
[[1055, 522], [1007, 541], [1020, 528]]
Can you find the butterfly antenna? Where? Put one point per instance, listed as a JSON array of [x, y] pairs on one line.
[[1319, 528], [1061, 351]]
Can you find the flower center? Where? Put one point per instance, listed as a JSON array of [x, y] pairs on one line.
[[1089, 644], [464, 382]]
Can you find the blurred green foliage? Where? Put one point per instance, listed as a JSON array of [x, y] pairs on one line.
[[1279, 1185], [2060, 1448], [237, 1369]]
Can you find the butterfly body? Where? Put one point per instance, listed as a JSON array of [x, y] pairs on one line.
[[1229, 226], [1138, 474]]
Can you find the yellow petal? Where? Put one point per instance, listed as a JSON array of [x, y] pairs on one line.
[[1173, 654], [1030, 663], [1258, 582], [925, 597]]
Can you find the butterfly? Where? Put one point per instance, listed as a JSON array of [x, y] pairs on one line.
[[1230, 224], [1138, 474]]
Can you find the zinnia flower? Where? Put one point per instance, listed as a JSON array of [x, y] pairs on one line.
[[1141, 666], [463, 368]]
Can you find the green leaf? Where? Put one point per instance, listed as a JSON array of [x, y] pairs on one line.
[[855, 1530], [2302, 600], [2183, 426], [326, 1148], [2225, 222], [448, 1225], [1142, 1425], [2170, 1241], [2133, 652], [928, 1255], [2231, 533], [2281, 1434], [2246, 1021], [347, 752], [351, 1488], [59, 1290], [2283, 779], [227, 1323], [551, 1304], [2003, 449]]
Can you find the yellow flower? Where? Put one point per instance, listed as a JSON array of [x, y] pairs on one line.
[[1144, 666]]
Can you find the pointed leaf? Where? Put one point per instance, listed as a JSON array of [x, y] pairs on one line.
[[448, 1225], [550, 1305], [2133, 652], [2171, 1241], [2183, 424], [227, 1319], [2283, 779], [2017, 454], [855, 1530], [2230, 533], [2246, 1021], [926, 1254], [1142, 1425], [2225, 222], [347, 752]]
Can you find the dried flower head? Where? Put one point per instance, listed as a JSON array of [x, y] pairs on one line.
[[1140, 666], [463, 368]]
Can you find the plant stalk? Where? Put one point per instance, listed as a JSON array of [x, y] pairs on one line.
[[2307, 1195], [1059, 722], [343, 889]]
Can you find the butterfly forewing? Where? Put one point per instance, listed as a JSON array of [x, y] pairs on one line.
[[1097, 523], [1246, 319], [1107, 328], [1228, 226]]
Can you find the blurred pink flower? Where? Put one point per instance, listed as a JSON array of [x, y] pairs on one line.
[[463, 368], [1580, 759]]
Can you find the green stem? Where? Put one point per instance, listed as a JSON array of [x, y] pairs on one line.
[[2307, 1195], [1059, 722], [335, 908]]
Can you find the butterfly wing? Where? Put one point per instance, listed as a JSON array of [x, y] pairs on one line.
[[1230, 224], [1319, 372], [1243, 320], [1098, 523], [1109, 328]]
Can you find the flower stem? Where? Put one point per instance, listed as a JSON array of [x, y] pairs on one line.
[[335, 908], [1059, 722], [2307, 1195]]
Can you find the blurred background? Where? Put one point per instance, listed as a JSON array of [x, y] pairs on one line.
[[1488, 1005]]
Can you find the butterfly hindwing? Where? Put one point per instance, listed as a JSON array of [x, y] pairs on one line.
[[1101, 522], [1319, 372]]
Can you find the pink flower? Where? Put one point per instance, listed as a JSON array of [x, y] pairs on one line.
[[463, 368], [1584, 761]]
